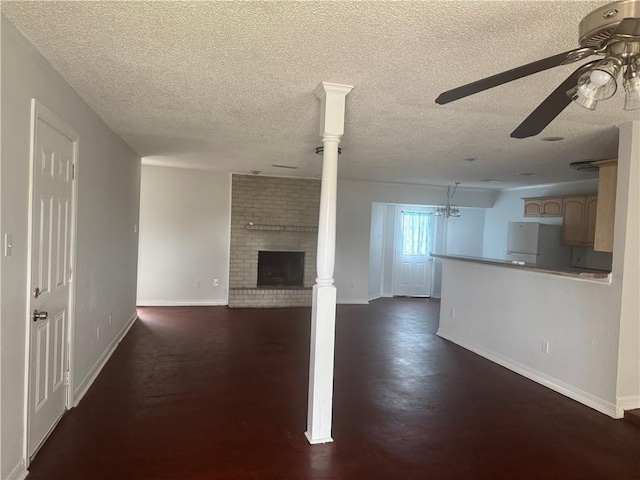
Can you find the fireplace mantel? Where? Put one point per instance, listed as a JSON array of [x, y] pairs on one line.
[[281, 228]]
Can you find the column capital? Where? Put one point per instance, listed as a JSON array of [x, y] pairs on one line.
[[332, 98], [332, 88]]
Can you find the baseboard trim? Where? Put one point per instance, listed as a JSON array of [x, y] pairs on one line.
[[630, 402], [375, 296], [84, 386], [18, 473], [317, 441], [553, 383], [181, 303], [353, 301]]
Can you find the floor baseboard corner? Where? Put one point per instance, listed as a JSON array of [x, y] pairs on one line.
[[629, 402], [18, 473]]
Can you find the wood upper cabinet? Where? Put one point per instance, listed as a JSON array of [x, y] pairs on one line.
[[552, 207], [579, 220], [542, 207], [606, 209], [532, 207], [573, 230], [590, 218]]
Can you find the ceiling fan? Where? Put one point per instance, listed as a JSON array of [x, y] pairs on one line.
[[612, 32]]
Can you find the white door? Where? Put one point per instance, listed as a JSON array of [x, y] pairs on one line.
[[51, 214], [413, 264]]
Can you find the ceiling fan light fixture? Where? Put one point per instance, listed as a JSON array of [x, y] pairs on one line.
[[584, 100], [605, 73], [632, 87], [597, 83], [632, 94]]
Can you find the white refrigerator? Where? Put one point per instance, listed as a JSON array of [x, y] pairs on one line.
[[538, 244]]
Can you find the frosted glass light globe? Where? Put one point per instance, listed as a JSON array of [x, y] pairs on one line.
[[599, 77]]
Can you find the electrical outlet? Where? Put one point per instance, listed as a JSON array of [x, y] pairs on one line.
[[110, 319], [215, 282], [452, 312], [545, 346], [98, 332], [196, 284], [135, 228]]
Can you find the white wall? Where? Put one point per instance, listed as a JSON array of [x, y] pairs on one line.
[[509, 207], [108, 177], [439, 246], [465, 234], [376, 243], [389, 242], [353, 225], [506, 313], [593, 329], [184, 236], [627, 253]]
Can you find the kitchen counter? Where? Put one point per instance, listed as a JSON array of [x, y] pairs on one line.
[[564, 271]]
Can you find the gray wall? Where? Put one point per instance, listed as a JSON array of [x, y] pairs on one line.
[[465, 234], [376, 252], [184, 236], [108, 177]]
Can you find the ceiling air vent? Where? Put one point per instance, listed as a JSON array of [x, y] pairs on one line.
[[584, 166]]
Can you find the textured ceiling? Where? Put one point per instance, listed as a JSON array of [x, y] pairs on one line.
[[229, 85]]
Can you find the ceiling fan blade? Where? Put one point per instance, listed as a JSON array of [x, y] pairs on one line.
[[513, 74], [551, 107]]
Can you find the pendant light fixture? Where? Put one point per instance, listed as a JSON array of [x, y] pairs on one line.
[[449, 210]]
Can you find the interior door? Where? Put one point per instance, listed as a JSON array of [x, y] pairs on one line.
[[413, 264], [51, 210]]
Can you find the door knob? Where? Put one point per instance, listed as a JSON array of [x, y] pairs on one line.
[[39, 315], [36, 292]]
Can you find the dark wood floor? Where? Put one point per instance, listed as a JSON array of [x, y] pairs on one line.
[[213, 393]]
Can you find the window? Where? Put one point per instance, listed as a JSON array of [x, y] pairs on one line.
[[415, 233]]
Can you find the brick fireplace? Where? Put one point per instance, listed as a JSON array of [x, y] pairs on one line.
[[272, 214]]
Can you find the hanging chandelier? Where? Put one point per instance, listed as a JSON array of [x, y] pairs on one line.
[[449, 210]]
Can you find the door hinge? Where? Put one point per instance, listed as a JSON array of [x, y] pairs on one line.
[[67, 378], [73, 171], [71, 274]]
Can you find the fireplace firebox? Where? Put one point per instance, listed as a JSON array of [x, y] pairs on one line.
[[280, 269]]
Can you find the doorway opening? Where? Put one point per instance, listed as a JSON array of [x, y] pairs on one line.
[[402, 238], [51, 258]]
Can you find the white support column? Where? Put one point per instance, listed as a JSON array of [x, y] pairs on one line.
[[323, 311]]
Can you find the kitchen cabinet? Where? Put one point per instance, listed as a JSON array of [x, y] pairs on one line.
[[542, 207], [579, 219], [607, 178], [590, 220]]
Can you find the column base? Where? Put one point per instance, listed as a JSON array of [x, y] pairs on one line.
[[316, 441]]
